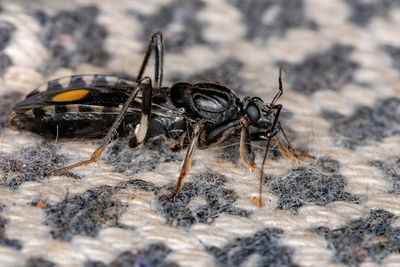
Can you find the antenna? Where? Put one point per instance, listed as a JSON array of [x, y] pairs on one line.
[[268, 133]]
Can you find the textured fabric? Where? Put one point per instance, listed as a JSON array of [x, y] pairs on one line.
[[341, 104]]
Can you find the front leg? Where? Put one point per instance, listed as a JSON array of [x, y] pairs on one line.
[[287, 150], [283, 144], [246, 151]]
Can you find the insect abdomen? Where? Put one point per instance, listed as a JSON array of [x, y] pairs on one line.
[[72, 121]]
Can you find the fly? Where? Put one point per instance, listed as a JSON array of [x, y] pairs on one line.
[[200, 115]]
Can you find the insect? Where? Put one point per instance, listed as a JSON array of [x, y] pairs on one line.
[[200, 115]]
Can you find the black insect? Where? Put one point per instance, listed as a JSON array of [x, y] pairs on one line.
[[188, 115]]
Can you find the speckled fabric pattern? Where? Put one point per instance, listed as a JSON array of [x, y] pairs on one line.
[[341, 104]]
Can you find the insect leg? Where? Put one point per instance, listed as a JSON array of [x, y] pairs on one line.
[[143, 85], [276, 97], [259, 136], [140, 132], [246, 151], [185, 167], [286, 148], [156, 43], [283, 143], [274, 129]]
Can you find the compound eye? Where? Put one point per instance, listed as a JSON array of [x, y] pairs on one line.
[[253, 113]]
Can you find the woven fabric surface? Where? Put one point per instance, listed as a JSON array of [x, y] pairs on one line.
[[341, 104]]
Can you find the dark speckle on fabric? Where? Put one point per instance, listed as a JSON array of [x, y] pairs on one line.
[[364, 11], [74, 37], [39, 15], [85, 214], [391, 171], [331, 69], [153, 255], [319, 185], [328, 165], [4, 241], [264, 243], [229, 151], [30, 164], [98, 264], [146, 158], [176, 12], [139, 184], [331, 115], [39, 262], [7, 101], [5, 62], [360, 240], [394, 53], [369, 124], [290, 14], [6, 30], [209, 186]]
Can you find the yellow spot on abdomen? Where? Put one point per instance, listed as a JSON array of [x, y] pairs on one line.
[[72, 95]]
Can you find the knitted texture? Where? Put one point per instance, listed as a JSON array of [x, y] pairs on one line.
[[341, 104]]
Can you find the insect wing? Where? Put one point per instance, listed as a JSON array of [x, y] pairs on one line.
[[97, 90]]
